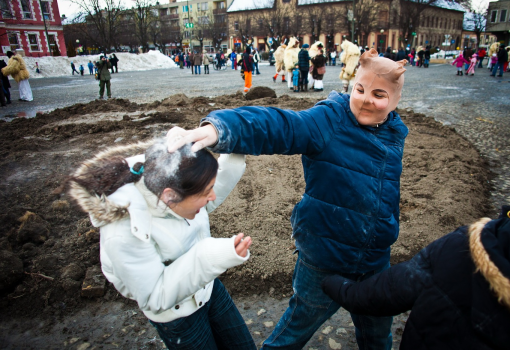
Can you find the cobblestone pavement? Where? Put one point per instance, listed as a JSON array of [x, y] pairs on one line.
[[478, 107]]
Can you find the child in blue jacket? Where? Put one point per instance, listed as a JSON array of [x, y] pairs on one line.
[[352, 148], [295, 78]]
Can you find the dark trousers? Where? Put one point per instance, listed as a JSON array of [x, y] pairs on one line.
[[217, 325], [206, 69], [102, 84], [303, 76], [2, 95], [7, 94]]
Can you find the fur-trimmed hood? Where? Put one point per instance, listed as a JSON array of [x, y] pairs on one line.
[[489, 243], [102, 211]]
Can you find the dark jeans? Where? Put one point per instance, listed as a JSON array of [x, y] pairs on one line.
[[309, 308], [197, 68], [217, 325], [303, 76], [206, 69], [496, 67], [480, 61], [7, 94]]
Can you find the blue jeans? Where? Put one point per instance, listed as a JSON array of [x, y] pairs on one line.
[[309, 308], [480, 61], [217, 325], [198, 69], [496, 66], [255, 68]]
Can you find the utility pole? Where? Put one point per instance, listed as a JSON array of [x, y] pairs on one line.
[[46, 28], [353, 19]]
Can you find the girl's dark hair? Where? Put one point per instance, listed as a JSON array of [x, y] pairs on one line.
[[185, 172]]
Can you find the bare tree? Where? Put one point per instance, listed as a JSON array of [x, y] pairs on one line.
[[367, 13], [408, 14], [478, 20], [243, 28], [103, 19], [144, 17], [214, 27], [275, 24]]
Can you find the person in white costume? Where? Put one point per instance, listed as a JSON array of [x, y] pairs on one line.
[[17, 68]]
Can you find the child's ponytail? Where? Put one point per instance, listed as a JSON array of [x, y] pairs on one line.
[[105, 176]]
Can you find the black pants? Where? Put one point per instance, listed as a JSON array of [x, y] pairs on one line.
[[206, 69], [7, 94], [303, 76]]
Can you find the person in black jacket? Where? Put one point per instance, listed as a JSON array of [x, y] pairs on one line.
[[458, 289], [426, 57], [5, 83], [113, 61], [502, 58], [304, 66]]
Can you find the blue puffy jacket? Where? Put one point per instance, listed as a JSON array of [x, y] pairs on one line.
[[349, 215]]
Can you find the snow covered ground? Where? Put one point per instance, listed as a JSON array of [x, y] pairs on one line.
[[61, 66]]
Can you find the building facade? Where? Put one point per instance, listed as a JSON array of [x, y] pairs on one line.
[[189, 24], [377, 23], [22, 26], [498, 20]]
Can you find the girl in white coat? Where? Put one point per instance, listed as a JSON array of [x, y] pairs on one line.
[[156, 246]]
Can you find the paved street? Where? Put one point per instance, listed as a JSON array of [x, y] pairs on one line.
[[478, 107]]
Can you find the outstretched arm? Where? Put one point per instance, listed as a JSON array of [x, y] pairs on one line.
[[264, 130]]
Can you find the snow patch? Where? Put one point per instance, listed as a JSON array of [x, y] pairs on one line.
[[61, 66]]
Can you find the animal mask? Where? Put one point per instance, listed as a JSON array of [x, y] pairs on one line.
[[377, 88]]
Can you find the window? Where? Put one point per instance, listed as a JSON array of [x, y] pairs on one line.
[[32, 39], [236, 26], [173, 10], [494, 16], [174, 23], [46, 10], [221, 5], [186, 35], [13, 41], [52, 40], [185, 9], [202, 6], [163, 12], [203, 20], [25, 9], [5, 8], [219, 18], [502, 17]]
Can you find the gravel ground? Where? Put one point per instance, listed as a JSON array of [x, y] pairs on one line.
[[477, 107]]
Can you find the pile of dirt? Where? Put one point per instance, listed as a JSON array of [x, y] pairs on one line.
[[51, 244]]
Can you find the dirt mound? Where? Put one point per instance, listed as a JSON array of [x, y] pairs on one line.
[[260, 92], [444, 184]]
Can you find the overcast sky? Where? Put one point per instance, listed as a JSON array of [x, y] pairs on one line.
[[69, 9]]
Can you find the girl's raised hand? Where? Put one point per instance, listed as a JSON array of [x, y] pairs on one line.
[[242, 245], [203, 136]]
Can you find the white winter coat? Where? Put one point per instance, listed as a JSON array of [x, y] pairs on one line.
[[163, 261]]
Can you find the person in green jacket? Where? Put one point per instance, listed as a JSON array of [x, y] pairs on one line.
[[103, 67]]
